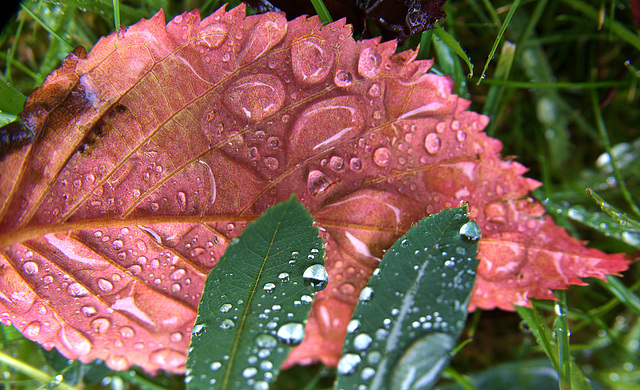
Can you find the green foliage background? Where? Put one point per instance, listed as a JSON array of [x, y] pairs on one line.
[[562, 92]]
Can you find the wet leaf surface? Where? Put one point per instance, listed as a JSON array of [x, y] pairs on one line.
[[412, 311], [151, 153], [256, 300]]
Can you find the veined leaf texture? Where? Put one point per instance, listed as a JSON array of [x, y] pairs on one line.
[[152, 152]]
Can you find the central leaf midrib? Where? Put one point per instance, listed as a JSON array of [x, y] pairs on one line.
[[234, 348]]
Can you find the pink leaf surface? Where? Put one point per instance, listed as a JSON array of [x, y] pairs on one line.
[[154, 151]]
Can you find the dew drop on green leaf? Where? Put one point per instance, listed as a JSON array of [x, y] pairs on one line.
[[315, 277], [291, 333], [349, 363], [470, 232]]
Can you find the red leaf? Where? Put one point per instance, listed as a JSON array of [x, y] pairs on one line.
[[154, 150]]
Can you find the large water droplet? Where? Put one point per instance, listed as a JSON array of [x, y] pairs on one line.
[[30, 268], [382, 157], [266, 341], [362, 341], [353, 326], [269, 287], [77, 290], [88, 311], [291, 333], [310, 61], [227, 324], [316, 277], [271, 163], [100, 325], [336, 163], [215, 366], [317, 182], [470, 232], [348, 363], [104, 285], [249, 372], [284, 277], [213, 35], [369, 63], [366, 294], [432, 143], [225, 308], [343, 78], [255, 97], [32, 330]]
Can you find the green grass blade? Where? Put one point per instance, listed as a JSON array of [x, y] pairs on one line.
[[620, 217], [116, 14], [33, 372], [46, 27], [256, 300], [503, 28], [616, 28], [561, 331], [413, 309], [450, 41], [322, 11], [622, 292]]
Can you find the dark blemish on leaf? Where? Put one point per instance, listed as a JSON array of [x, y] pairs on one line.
[[13, 136]]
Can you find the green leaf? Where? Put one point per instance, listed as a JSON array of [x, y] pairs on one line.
[[12, 101], [256, 301], [451, 42], [414, 308]]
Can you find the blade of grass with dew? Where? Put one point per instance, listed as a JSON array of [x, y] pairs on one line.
[[493, 107], [33, 372], [622, 218], [561, 332], [451, 43], [544, 338], [622, 292], [46, 27], [322, 11], [503, 28], [116, 15], [604, 138]]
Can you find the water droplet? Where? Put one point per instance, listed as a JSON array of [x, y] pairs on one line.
[[88, 311], [249, 372], [227, 324], [256, 96], [432, 143], [30, 268], [77, 290], [284, 277], [266, 341], [367, 373], [461, 135], [348, 363], [266, 365], [177, 274], [343, 78], [306, 299], [271, 163], [470, 232], [336, 163], [127, 332], [374, 357], [104, 285], [369, 63], [32, 330], [175, 337], [366, 294], [362, 341], [355, 164], [310, 61], [215, 366], [225, 308], [225, 57], [317, 182], [316, 277], [213, 35], [261, 385], [269, 287], [291, 333], [382, 157], [374, 90], [100, 325]]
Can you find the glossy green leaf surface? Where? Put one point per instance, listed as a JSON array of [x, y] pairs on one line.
[[256, 301], [414, 308]]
